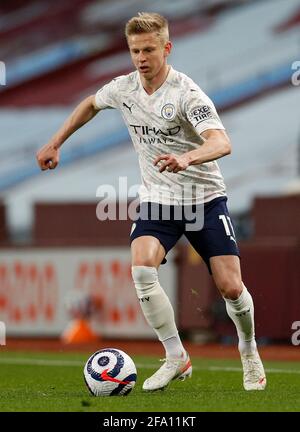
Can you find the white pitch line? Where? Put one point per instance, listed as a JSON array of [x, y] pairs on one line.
[[236, 369], [39, 362], [68, 363]]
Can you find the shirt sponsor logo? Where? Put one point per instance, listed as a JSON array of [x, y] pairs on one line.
[[200, 114], [146, 130], [168, 112], [153, 135]]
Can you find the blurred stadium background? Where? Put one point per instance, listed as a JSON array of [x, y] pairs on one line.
[[55, 255]]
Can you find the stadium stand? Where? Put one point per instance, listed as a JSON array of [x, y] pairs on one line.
[[246, 68]]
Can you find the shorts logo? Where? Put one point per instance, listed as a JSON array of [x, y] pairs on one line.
[[133, 228], [168, 112]]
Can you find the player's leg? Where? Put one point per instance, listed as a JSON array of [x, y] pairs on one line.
[[147, 254], [216, 243], [227, 276], [239, 305]]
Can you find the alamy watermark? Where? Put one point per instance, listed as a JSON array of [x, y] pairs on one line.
[[2, 333], [2, 73], [295, 78], [296, 335], [158, 202]]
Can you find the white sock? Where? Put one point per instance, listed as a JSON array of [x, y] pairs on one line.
[[241, 311], [174, 348], [156, 306]]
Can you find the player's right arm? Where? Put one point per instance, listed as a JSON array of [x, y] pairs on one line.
[[48, 155]]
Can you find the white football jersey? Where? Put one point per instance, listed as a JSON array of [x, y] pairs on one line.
[[168, 121]]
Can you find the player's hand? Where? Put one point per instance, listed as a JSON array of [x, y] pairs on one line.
[[47, 157], [172, 163]]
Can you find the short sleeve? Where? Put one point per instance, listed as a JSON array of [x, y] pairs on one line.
[[200, 111], [106, 97]]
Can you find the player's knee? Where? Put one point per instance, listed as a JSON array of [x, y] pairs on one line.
[[231, 288], [143, 256], [146, 261], [146, 252]]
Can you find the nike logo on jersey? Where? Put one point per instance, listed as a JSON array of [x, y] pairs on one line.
[[128, 107]]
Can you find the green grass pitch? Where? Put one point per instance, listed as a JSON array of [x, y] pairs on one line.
[[54, 382]]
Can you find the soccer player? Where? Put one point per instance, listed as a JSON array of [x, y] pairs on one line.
[[178, 136]]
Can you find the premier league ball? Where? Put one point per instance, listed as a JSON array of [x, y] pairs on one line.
[[110, 372]]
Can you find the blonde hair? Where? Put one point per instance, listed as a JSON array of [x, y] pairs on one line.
[[147, 22]]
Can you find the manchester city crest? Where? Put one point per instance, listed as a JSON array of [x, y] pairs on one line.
[[168, 111]]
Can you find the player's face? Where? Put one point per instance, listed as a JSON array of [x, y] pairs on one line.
[[148, 54]]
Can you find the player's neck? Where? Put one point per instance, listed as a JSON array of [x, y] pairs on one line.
[[156, 82]]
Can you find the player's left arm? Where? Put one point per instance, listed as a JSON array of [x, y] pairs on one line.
[[216, 144]]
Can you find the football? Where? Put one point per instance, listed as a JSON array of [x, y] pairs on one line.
[[110, 372]]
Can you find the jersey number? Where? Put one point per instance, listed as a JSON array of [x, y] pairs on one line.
[[228, 227]]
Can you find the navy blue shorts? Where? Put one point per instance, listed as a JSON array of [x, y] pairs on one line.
[[214, 237]]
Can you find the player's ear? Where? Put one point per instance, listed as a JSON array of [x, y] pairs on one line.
[[168, 47]]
